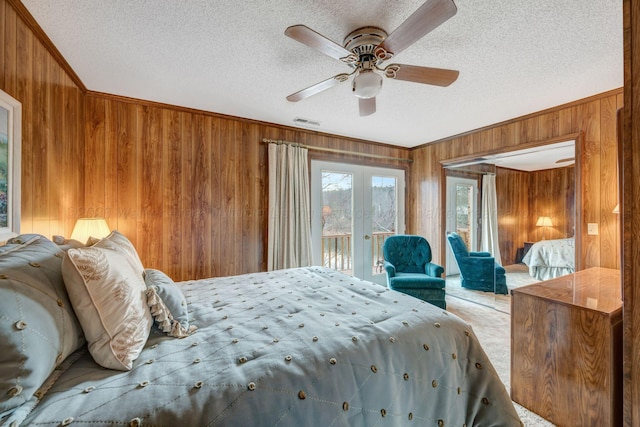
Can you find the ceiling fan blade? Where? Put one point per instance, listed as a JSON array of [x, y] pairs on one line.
[[318, 87], [367, 106], [428, 17], [424, 75], [306, 35]]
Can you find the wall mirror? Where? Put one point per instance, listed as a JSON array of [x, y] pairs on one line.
[[507, 202], [10, 143]]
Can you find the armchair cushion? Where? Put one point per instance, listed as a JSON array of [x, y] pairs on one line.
[[416, 280]]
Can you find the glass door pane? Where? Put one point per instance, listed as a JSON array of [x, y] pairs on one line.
[[462, 211], [337, 221], [465, 214], [383, 221]]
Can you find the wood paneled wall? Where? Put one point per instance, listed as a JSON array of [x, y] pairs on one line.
[[52, 127], [523, 197], [512, 191], [594, 118], [189, 188]]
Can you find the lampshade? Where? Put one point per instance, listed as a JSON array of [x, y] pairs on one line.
[[90, 227], [367, 84], [544, 221]]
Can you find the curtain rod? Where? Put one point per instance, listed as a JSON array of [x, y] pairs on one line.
[[333, 150]]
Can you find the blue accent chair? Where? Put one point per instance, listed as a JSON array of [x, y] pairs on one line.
[[407, 261], [478, 270]]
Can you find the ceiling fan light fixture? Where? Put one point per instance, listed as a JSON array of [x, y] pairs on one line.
[[367, 84]]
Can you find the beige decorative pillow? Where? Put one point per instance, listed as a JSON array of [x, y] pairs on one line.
[[108, 296], [119, 242]]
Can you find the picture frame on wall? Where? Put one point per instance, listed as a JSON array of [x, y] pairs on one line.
[[10, 152]]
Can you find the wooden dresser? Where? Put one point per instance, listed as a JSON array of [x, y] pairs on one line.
[[566, 348]]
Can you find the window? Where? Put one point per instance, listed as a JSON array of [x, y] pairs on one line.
[[10, 134]]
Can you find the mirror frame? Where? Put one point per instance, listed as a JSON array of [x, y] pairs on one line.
[[577, 137]]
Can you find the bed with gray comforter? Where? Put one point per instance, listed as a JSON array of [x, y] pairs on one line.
[[299, 347]]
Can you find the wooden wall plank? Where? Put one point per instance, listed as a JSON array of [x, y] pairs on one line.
[[10, 62], [3, 41], [150, 184], [24, 94], [202, 222], [55, 151], [110, 159], [217, 230], [172, 189], [41, 135], [549, 125], [587, 118], [186, 194], [609, 226], [95, 161], [512, 190]]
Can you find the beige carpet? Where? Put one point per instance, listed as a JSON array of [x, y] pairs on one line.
[[493, 329], [517, 275]]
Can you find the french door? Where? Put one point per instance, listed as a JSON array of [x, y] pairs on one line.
[[462, 215], [353, 209]]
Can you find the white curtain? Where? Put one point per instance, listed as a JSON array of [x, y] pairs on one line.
[[489, 240], [289, 237]]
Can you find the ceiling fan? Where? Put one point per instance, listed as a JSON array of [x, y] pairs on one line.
[[366, 48]]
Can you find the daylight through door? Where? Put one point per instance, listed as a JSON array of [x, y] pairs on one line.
[[354, 209], [462, 202]]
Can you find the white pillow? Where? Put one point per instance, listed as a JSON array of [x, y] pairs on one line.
[[108, 296], [119, 242]]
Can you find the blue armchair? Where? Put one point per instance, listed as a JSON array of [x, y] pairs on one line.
[[410, 270], [478, 270]]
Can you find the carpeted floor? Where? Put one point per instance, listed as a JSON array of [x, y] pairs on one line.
[[493, 329], [517, 275]]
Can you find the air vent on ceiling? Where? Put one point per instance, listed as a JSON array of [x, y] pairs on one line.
[[306, 122]]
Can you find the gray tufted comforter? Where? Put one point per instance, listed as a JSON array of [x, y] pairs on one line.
[[300, 347]]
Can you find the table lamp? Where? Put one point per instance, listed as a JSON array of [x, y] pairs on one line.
[[544, 221], [90, 227]]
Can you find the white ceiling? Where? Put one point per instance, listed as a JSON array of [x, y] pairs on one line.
[[550, 156], [226, 56]]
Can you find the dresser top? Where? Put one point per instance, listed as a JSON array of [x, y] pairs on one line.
[[595, 288]]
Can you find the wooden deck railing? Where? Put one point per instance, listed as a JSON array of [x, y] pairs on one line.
[[336, 251]]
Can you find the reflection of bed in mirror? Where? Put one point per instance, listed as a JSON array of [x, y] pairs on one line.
[[548, 259]]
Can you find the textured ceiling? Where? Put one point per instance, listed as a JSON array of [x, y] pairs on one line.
[[549, 156], [515, 57]]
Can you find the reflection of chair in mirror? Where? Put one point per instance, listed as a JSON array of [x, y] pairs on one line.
[[478, 270], [410, 270]]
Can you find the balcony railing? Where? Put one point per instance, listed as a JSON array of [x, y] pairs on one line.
[[336, 251]]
